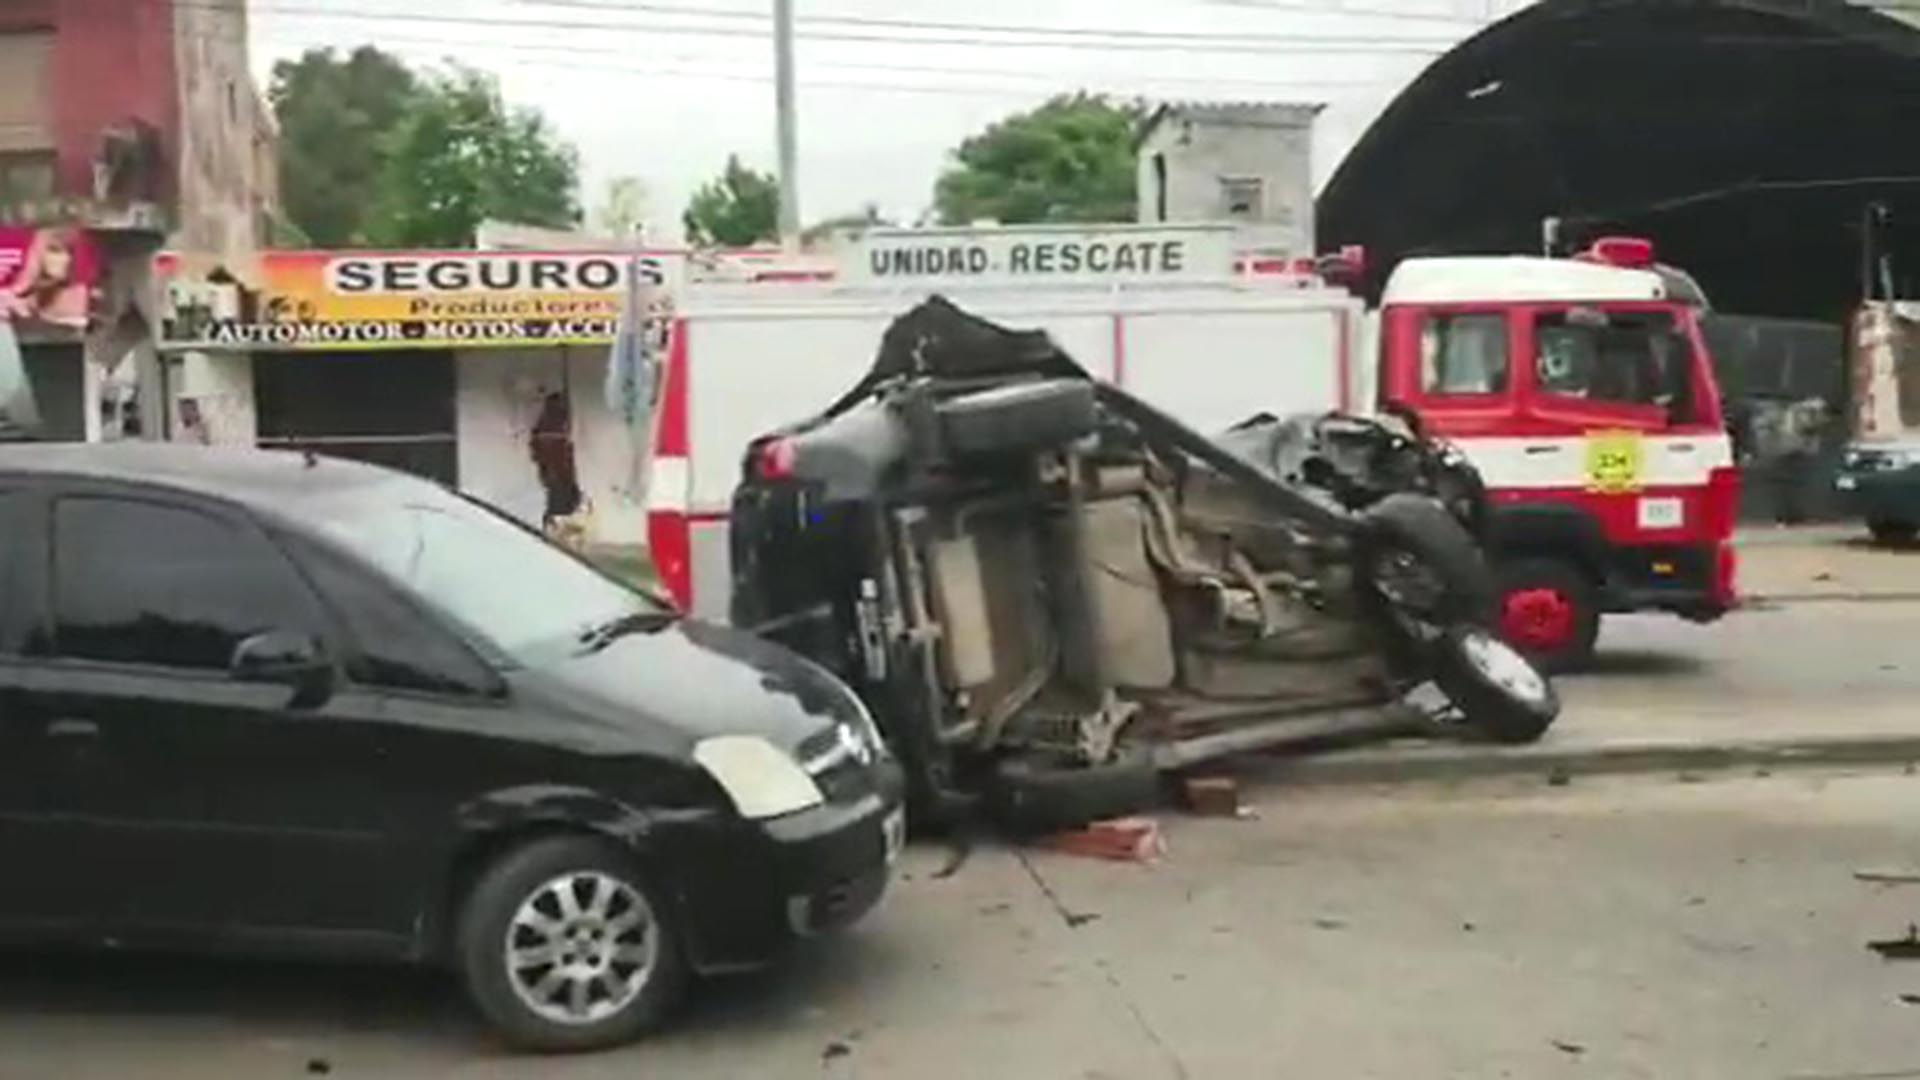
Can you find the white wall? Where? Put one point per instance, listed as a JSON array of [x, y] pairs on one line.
[[221, 384], [498, 395], [1207, 145]]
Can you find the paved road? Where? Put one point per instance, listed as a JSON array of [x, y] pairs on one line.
[[1618, 927]]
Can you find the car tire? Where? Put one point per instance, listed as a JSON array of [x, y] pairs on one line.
[[1890, 533], [1550, 611], [1421, 527], [1018, 417], [1035, 793], [1499, 693], [628, 955]]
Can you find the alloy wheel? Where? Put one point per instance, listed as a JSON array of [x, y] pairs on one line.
[[581, 947]]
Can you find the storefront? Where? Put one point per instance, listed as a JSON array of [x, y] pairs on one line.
[[450, 365]]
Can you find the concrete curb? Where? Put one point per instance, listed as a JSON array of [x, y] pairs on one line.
[[1420, 764], [1768, 600]]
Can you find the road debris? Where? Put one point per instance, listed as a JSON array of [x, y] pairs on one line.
[[1887, 876], [1211, 796], [1906, 948], [1330, 923], [1566, 1047], [1128, 839]]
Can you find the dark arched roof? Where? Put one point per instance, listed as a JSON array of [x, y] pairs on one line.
[[1746, 137]]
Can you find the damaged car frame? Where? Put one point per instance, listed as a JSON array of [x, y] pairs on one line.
[[1050, 593]]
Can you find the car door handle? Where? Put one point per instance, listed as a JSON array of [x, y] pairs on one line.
[[73, 728], [1542, 448]]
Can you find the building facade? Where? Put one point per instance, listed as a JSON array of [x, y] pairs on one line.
[[1247, 164], [126, 126]]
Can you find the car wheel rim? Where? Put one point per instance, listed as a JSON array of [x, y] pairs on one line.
[[1538, 619], [581, 948], [1504, 667]]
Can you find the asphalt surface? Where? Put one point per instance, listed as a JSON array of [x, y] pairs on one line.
[[1619, 927], [1670, 924]]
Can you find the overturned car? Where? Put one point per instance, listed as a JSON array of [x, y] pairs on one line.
[[1049, 593]]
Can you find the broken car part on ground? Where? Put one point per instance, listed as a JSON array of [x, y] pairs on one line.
[[1049, 592]]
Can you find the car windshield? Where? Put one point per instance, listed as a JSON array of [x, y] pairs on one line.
[[491, 575]]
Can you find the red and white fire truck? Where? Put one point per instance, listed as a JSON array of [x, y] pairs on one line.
[[1580, 387]]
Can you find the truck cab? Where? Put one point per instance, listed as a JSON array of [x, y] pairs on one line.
[[1583, 391]]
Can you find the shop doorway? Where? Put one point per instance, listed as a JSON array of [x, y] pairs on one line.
[[387, 408]]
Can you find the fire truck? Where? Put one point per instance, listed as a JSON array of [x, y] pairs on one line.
[[1580, 387]]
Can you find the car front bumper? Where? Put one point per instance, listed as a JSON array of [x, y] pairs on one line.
[[1880, 495], [748, 889]]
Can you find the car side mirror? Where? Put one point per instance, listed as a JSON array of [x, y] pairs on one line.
[[285, 658]]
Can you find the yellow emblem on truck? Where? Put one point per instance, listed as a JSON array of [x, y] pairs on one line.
[[1614, 460]]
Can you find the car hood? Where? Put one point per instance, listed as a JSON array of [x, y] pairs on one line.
[[684, 680]]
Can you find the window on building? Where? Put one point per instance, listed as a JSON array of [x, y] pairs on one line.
[[1241, 196], [26, 90], [26, 175], [1464, 354], [1160, 187]]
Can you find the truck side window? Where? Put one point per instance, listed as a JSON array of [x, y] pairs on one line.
[[1619, 358], [1463, 354]]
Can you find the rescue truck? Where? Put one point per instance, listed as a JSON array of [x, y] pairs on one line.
[[1580, 387]]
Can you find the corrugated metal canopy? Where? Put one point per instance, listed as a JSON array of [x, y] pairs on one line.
[[1745, 137]]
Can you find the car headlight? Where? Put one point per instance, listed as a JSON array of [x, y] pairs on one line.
[[762, 780]]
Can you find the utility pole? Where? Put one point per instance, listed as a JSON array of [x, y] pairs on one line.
[[783, 103]]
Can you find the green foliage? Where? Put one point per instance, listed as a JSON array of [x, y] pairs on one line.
[[1069, 160], [739, 209], [333, 114], [460, 156], [372, 153]]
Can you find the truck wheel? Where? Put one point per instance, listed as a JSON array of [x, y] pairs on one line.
[[565, 947], [1888, 533], [1018, 417], [1423, 561], [1498, 691], [1549, 612], [1035, 793]]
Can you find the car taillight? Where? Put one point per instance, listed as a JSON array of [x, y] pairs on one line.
[[1722, 502], [776, 459]]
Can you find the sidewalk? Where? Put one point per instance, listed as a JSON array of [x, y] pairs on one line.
[[1783, 684], [1824, 562]]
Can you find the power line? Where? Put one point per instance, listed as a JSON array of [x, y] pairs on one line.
[[562, 64], [1326, 46], [921, 24], [1057, 78], [1337, 9]]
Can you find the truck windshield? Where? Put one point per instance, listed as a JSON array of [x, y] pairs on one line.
[[491, 575]]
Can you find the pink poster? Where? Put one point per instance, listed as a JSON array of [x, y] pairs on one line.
[[47, 276]]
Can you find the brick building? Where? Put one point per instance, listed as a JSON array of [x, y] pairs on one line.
[[125, 126]]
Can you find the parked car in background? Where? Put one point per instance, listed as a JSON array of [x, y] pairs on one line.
[[265, 701], [1879, 483]]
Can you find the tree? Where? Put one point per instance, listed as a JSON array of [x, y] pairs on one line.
[[1071, 159], [333, 114], [739, 209], [623, 208], [460, 156]]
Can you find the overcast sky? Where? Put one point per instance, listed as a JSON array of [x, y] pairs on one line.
[[665, 89]]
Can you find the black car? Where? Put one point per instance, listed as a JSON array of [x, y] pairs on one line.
[[267, 701], [1050, 592]]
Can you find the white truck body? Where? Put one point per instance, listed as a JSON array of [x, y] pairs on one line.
[[749, 360]]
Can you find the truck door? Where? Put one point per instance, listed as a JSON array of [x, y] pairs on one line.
[[1620, 392]]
